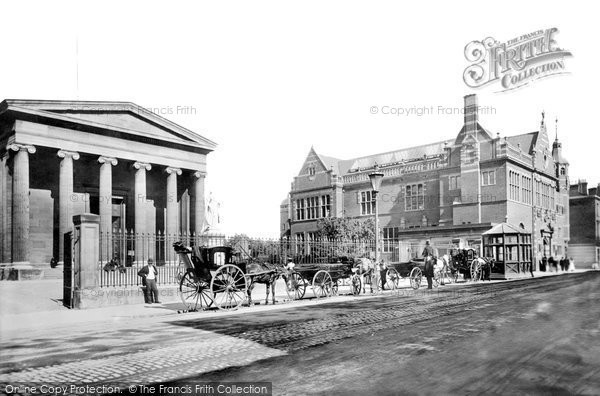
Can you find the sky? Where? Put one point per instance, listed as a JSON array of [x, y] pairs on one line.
[[266, 80]]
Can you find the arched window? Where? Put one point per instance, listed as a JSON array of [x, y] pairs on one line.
[[562, 171]]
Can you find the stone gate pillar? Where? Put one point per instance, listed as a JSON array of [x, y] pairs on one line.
[[86, 257]]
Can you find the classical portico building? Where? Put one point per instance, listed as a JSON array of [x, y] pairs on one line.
[[133, 168]]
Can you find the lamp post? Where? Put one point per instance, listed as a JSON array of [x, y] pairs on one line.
[[376, 178]]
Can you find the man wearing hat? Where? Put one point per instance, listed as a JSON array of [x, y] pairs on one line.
[[428, 269], [149, 274]]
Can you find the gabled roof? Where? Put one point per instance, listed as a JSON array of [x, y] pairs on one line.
[[505, 228], [125, 117], [526, 140], [390, 157], [329, 163], [481, 134]]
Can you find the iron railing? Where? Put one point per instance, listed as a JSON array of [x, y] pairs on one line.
[[123, 254]]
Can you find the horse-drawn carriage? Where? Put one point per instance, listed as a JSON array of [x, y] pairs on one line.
[[208, 276], [326, 278], [449, 267]]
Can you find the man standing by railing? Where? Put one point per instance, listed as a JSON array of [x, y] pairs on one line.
[[149, 274]]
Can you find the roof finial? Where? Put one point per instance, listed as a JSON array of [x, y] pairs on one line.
[[556, 129], [543, 116]]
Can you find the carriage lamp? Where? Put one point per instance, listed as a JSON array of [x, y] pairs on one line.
[[376, 177]]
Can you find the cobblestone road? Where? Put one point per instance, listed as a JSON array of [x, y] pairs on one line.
[[457, 339]]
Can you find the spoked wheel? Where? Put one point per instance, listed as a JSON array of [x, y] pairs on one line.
[[416, 276], [437, 278], [356, 284], [322, 284], [229, 287], [295, 286], [392, 278], [476, 270], [195, 293]]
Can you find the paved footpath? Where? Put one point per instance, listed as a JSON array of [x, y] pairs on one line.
[[129, 349]]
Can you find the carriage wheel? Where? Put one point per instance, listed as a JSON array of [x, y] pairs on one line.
[[195, 293], [322, 284], [415, 278], [392, 279], [295, 286], [476, 270], [229, 287], [356, 284]]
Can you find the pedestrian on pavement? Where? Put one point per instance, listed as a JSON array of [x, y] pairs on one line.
[[428, 270], [543, 264], [531, 268], [552, 264], [149, 274], [571, 264], [383, 269]]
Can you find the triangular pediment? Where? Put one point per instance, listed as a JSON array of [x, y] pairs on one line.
[[123, 117], [131, 122]]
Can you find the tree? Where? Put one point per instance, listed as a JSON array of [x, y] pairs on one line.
[[346, 228]]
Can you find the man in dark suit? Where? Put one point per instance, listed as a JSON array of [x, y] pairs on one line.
[[149, 274], [428, 269]]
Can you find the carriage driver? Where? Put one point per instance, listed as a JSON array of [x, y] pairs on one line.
[[428, 251], [428, 256]]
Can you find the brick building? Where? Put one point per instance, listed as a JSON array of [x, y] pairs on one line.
[[449, 192], [135, 169], [584, 205]]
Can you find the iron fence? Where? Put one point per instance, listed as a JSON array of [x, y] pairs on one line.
[[123, 254]]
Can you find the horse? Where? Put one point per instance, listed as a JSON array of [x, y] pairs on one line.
[[366, 269], [486, 265], [263, 273]]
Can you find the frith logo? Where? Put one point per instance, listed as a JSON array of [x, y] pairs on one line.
[[516, 62]]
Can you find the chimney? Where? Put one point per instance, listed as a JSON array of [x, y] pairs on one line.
[[582, 187], [471, 114]]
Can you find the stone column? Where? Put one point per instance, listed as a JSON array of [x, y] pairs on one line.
[[199, 205], [20, 203], [172, 212], [65, 198], [105, 206], [5, 201], [140, 207]]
